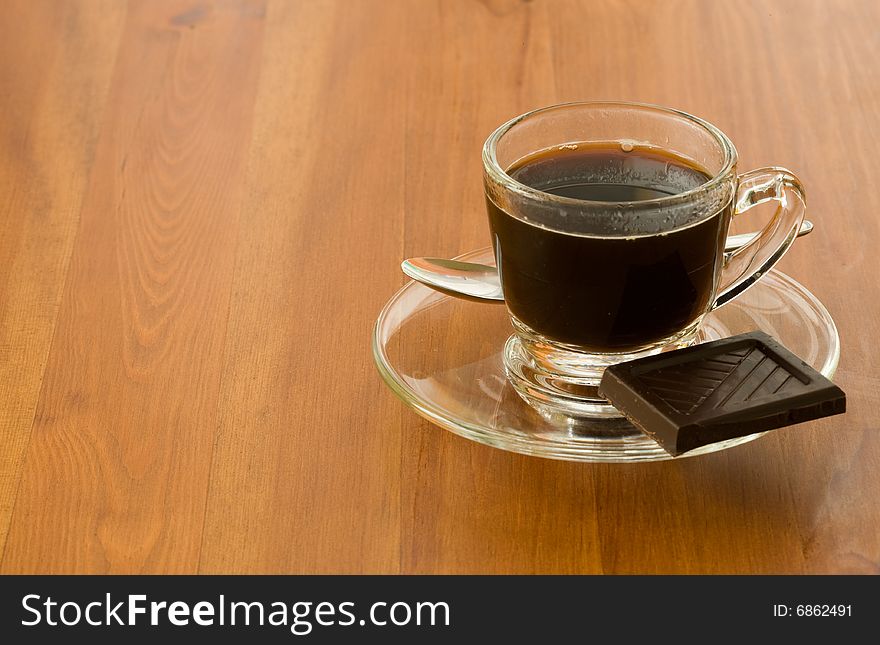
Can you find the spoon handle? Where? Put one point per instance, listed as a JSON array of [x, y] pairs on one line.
[[736, 241]]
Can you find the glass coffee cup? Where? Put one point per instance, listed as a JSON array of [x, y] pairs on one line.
[[609, 222]]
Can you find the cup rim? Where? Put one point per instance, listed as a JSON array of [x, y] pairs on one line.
[[500, 176]]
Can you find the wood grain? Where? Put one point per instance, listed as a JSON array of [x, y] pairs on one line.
[[116, 472], [205, 205], [299, 394], [57, 62]]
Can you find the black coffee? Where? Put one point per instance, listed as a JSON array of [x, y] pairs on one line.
[[607, 293]]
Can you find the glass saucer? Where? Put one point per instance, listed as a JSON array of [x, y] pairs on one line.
[[442, 356]]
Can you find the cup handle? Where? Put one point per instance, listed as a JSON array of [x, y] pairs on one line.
[[745, 265]]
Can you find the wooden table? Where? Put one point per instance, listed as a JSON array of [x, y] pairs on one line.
[[204, 205]]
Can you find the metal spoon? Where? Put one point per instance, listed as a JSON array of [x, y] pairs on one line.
[[481, 282]]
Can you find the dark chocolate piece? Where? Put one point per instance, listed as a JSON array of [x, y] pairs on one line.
[[719, 390]]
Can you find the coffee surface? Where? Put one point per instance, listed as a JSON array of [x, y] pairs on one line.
[[607, 293]]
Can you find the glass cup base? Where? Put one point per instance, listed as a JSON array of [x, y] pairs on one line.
[[561, 383]]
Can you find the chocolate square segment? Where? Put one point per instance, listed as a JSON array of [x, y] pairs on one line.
[[719, 390]]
